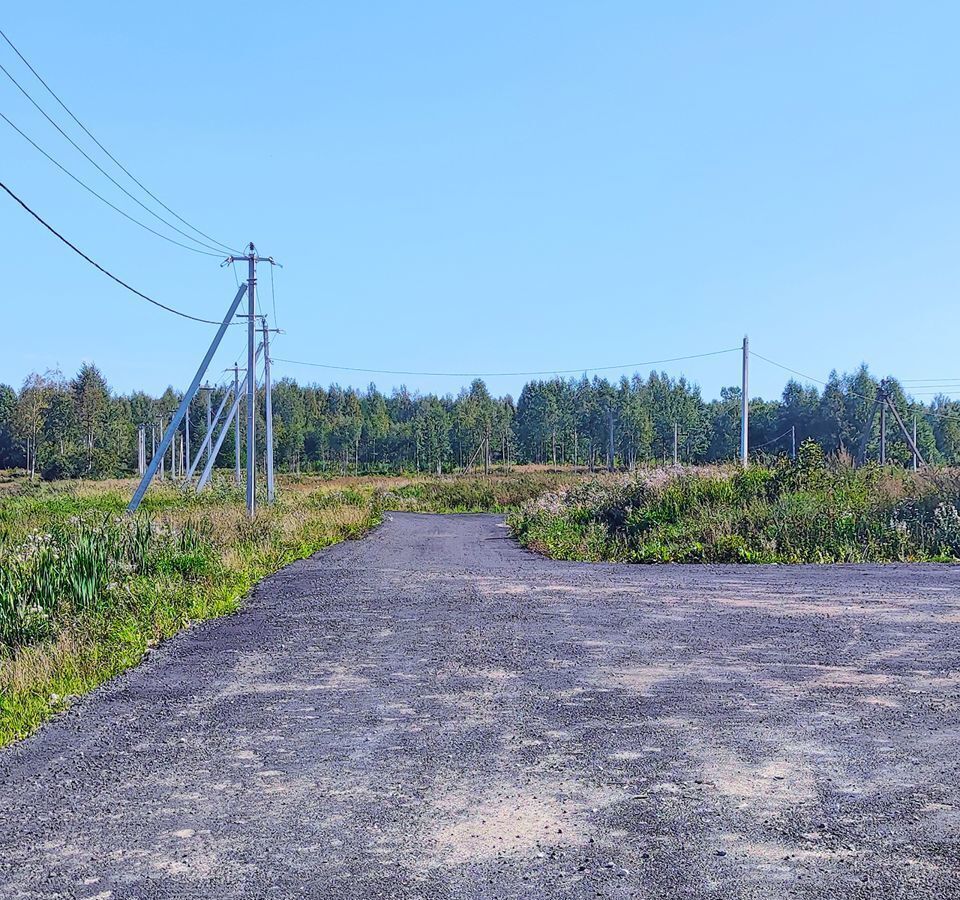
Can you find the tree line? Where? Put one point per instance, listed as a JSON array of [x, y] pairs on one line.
[[58, 427]]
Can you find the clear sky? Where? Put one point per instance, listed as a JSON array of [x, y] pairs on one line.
[[496, 186]]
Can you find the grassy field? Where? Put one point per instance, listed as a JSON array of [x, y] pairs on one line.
[[85, 590], [811, 511]]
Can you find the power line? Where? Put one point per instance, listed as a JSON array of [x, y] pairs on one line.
[[779, 437], [100, 197], [105, 150], [651, 362], [97, 265], [99, 168], [928, 412]]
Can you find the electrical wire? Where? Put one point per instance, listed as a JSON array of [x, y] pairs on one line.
[[651, 362], [100, 197], [120, 165], [97, 265], [929, 382], [771, 441], [927, 412], [100, 168]]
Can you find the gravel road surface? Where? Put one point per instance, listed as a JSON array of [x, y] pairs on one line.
[[433, 712]]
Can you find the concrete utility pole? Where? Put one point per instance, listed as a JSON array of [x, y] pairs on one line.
[[236, 425], [793, 442], [676, 443], [252, 259], [610, 414], [207, 390], [883, 435], [745, 405], [141, 449], [268, 408], [914, 454], [186, 440]]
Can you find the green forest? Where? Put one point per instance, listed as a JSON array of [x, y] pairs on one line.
[[58, 427]]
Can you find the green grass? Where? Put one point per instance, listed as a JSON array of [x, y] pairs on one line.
[[85, 591], [812, 511]]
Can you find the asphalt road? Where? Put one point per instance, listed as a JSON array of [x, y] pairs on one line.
[[432, 712]]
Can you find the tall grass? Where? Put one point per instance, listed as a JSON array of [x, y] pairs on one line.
[[86, 591], [811, 511]]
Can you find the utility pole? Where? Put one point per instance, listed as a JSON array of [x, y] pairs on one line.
[[914, 442], [207, 391], [745, 405], [186, 440], [883, 435], [268, 408], [163, 454], [610, 415], [676, 443], [793, 442], [236, 426], [252, 259]]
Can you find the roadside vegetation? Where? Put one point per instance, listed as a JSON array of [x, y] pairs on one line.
[[86, 591], [814, 510]]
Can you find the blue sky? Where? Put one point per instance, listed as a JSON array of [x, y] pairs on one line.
[[497, 186]]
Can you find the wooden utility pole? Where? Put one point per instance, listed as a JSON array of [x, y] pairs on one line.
[[676, 443]]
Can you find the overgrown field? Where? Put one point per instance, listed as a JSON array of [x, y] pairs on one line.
[[85, 590], [812, 511]]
